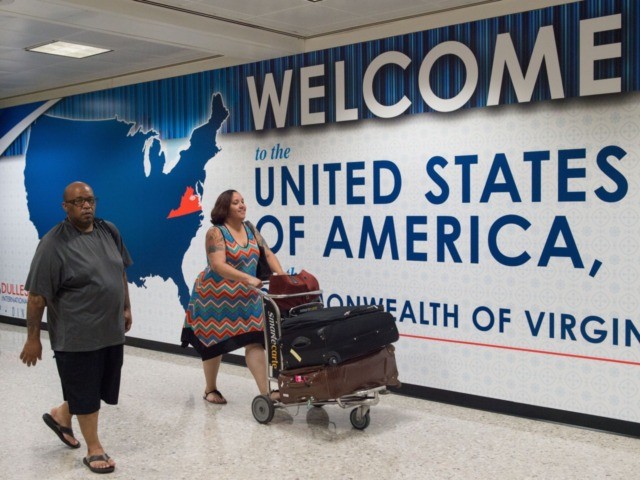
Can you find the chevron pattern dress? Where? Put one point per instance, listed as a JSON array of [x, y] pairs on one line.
[[223, 314]]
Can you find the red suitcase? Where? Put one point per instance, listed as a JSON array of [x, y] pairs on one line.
[[299, 283]]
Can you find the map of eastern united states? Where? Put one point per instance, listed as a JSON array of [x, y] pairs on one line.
[[149, 210]]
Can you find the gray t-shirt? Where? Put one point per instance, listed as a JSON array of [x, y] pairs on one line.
[[81, 277]]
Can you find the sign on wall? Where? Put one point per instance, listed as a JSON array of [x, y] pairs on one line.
[[480, 181]]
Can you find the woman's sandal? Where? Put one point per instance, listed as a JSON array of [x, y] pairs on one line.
[[222, 400], [98, 458]]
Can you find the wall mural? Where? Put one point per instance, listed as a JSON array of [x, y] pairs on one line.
[[481, 181]]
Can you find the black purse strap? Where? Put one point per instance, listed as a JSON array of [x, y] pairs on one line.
[[255, 235], [264, 270], [103, 223]]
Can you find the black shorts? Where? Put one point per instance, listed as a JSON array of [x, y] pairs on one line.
[[88, 377]]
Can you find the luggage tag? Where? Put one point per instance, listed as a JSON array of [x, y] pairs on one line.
[[295, 355]]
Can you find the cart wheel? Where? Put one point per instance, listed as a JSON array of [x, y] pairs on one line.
[[358, 420], [262, 409]]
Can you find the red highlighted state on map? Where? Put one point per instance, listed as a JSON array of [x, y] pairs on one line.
[[189, 203]]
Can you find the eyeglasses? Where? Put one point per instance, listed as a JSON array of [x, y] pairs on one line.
[[80, 201]]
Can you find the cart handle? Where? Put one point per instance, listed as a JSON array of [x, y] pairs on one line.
[[286, 295]]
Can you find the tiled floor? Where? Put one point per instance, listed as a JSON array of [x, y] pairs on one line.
[[162, 429]]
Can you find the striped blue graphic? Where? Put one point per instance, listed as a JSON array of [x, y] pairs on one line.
[[177, 105]]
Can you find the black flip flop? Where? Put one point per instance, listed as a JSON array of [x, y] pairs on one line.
[[60, 430], [222, 401], [95, 458]]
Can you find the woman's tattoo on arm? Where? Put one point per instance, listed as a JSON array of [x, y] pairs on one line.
[[213, 248], [215, 242]]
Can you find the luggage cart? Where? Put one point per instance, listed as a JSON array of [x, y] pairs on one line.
[[263, 407]]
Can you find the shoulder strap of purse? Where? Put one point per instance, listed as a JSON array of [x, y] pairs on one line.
[[100, 221], [253, 229]]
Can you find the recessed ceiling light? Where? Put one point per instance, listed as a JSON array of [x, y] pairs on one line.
[[67, 49]]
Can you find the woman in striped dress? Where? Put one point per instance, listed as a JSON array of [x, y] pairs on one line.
[[224, 314]]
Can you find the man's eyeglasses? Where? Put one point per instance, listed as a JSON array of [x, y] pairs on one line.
[[80, 201]]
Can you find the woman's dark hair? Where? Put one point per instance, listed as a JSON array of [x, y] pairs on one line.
[[220, 210]]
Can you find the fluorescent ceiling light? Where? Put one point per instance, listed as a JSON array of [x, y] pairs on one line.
[[66, 49]]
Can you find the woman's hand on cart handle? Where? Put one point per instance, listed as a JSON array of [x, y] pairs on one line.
[[259, 289]]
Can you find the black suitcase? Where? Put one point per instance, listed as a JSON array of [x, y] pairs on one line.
[[333, 335]]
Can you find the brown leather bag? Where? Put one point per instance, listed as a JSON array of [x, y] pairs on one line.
[[315, 384]]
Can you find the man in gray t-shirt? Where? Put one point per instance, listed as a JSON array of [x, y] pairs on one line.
[[78, 274]]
